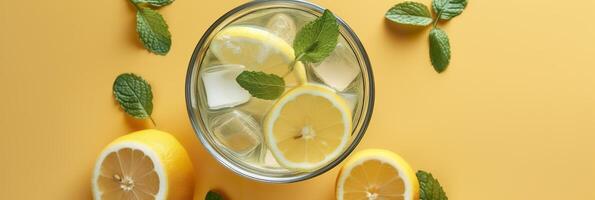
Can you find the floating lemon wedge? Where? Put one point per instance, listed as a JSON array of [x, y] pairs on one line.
[[376, 174], [258, 50], [144, 165], [308, 127]]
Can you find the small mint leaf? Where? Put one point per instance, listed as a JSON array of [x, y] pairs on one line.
[[211, 195], [448, 9], [153, 31], [317, 39], [439, 50], [134, 95], [429, 187], [410, 13], [262, 85], [156, 3]]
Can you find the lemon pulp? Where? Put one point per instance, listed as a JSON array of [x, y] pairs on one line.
[[128, 174], [308, 127]]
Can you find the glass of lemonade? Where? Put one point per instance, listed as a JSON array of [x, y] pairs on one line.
[[318, 120]]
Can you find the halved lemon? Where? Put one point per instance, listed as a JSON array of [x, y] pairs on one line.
[[144, 165], [376, 174], [308, 127], [258, 50]]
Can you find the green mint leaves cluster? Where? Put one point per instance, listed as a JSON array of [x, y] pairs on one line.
[[134, 95], [312, 44], [151, 27], [417, 14], [429, 187]]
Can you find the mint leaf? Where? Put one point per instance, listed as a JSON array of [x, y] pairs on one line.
[[156, 3], [410, 13], [448, 9], [211, 195], [134, 95], [262, 85], [439, 50], [152, 30], [317, 39], [429, 187]]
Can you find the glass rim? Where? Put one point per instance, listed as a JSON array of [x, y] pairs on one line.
[[252, 175]]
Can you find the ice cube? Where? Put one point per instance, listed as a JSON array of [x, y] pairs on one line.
[[237, 132], [258, 108], [340, 68], [221, 88], [351, 99], [283, 26]]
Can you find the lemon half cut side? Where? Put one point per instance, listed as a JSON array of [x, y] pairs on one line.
[[144, 165], [375, 174]]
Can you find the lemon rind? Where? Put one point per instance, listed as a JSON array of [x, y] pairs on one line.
[[254, 33]]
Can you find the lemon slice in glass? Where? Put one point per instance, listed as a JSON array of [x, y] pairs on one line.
[[308, 127], [258, 50], [377, 174], [148, 165]]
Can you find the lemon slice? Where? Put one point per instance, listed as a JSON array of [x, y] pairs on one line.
[[258, 50], [308, 127], [377, 174], [144, 165]]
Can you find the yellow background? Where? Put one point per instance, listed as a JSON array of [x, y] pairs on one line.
[[512, 118]]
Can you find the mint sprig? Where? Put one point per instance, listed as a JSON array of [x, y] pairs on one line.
[[313, 43], [430, 188], [417, 14], [134, 95], [151, 27], [317, 39]]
